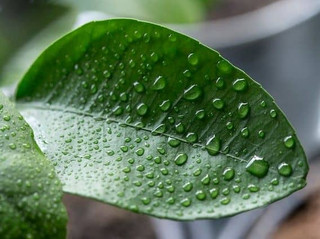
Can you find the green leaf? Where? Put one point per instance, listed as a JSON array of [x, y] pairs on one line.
[[139, 116], [30, 192]]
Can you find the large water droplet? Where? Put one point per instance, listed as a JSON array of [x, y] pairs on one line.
[[192, 93], [213, 145], [257, 166], [181, 159]]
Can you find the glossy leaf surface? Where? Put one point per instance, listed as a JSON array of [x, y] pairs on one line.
[[139, 116], [30, 192]]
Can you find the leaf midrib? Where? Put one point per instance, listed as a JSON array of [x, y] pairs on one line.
[[99, 117]]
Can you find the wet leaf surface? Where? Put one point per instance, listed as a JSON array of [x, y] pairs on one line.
[[139, 116], [30, 192]]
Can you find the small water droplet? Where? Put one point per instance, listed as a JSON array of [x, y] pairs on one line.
[[200, 195], [220, 84], [159, 83], [228, 174], [214, 192], [258, 167], [173, 142], [179, 128], [205, 180], [165, 105], [245, 132], [192, 137], [224, 67], [140, 151], [289, 142], [193, 59], [181, 159], [261, 134], [192, 93], [200, 114], [187, 187], [240, 84], [142, 109], [243, 110], [218, 103], [139, 88], [6, 117], [213, 145], [273, 113], [285, 169], [186, 202]]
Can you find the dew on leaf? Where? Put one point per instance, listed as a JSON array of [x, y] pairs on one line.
[[289, 142], [192, 137], [193, 59], [214, 192], [273, 113], [186, 202], [187, 187], [253, 188], [228, 174], [243, 110], [245, 132], [179, 128], [205, 180], [165, 105], [220, 84], [218, 103], [285, 169], [139, 88], [173, 142], [200, 195], [192, 93], [224, 67], [181, 159], [258, 167], [213, 145], [240, 84], [142, 109], [159, 83]]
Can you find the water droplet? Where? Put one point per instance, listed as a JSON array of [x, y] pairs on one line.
[[172, 37], [229, 125], [228, 174], [193, 59], [220, 84], [6, 117], [213, 145], [218, 103], [12, 146], [200, 195], [179, 128], [236, 188], [275, 181], [140, 168], [253, 188], [140, 151], [160, 129], [139, 88], [186, 202], [181, 159], [165, 105], [261, 134], [214, 192], [187, 73], [192, 137], [158, 193], [142, 109], [205, 180], [192, 93], [127, 170], [187, 187], [285, 169], [146, 200], [289, 142], [118, 110], [224, 67], [197, 172], [273, 113], [240, 84], [173, 142], [225, 201], [245, 132], [257, 166], [243, 110], [159, 83], [200, 114]]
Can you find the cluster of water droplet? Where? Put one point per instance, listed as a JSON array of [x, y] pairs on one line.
[[155, 122]]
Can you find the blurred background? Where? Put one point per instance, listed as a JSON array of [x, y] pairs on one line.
[[277, 42]]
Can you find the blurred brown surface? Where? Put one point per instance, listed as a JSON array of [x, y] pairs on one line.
[[304, 223], [89, 219], [228, 8]]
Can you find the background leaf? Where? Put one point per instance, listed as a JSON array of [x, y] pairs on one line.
[[145, 118], [30, 192]]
